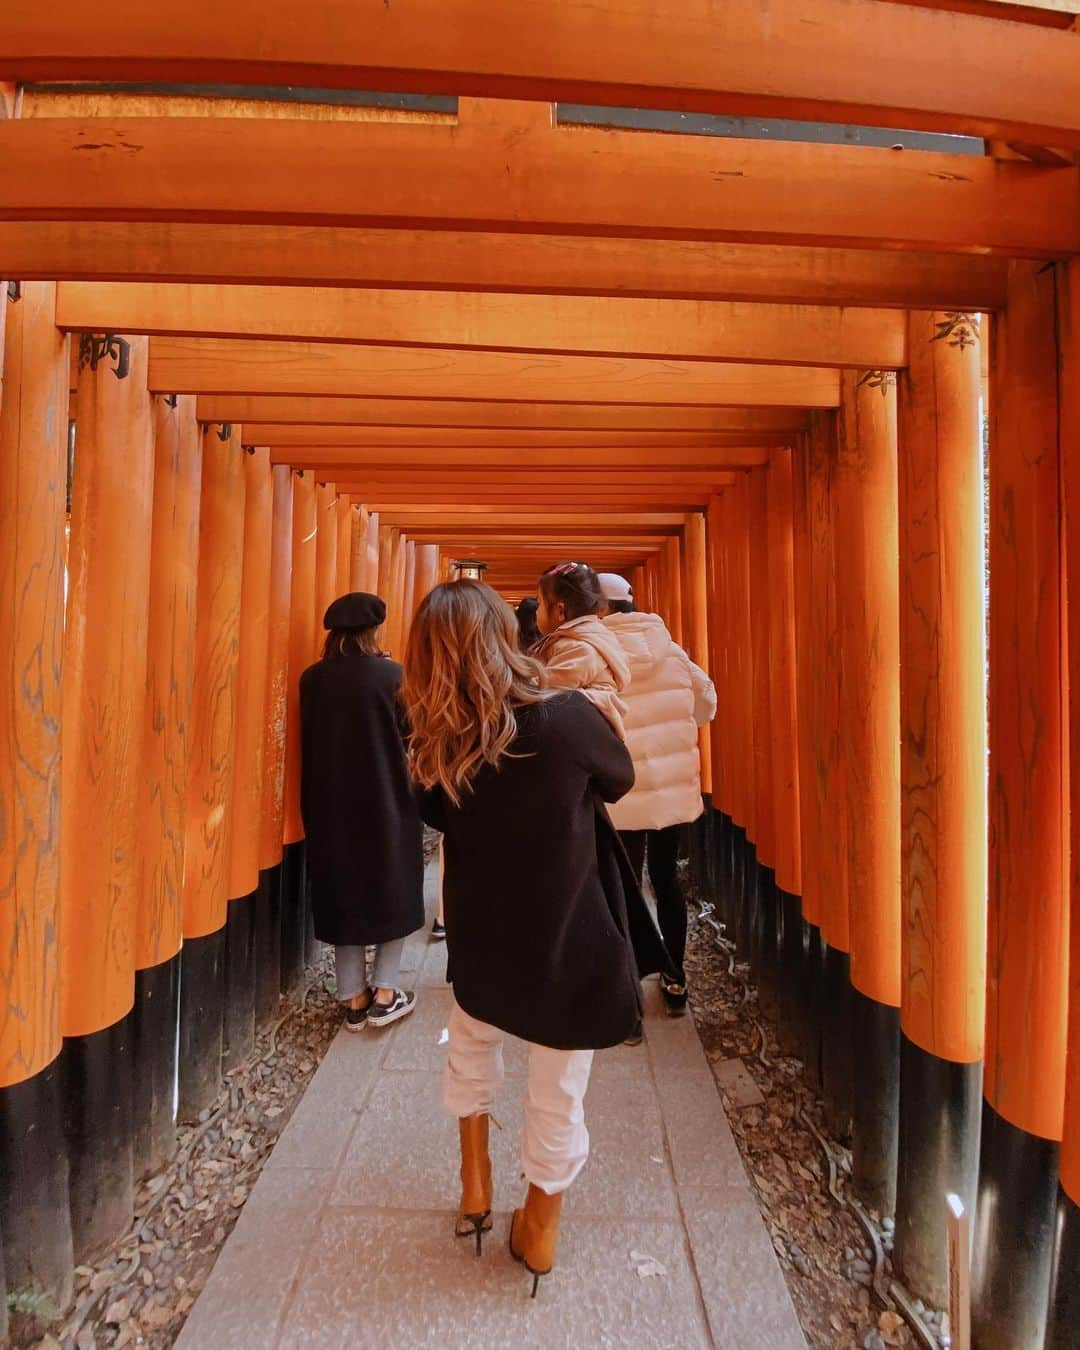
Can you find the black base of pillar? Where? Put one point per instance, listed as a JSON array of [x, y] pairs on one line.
[[239, 1020], [769, 944], [1014, 1236], [34, 1175], [97, 1085], [811, 1004], [293, 915], [202, 1007], [876, 1101], [940, 1108], [312, 945], [268, 945], [155, 1031], [837, 1052], [721, 892], [744, 899], [1064, 1315], [792, 960]]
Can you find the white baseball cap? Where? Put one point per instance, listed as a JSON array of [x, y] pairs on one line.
[[613, 586]]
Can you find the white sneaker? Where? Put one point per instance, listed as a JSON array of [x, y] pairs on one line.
[[401, 1005]]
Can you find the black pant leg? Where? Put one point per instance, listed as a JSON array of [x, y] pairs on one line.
[[634, 843], [663, 856]]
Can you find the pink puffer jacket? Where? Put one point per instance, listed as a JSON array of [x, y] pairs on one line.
[[668, 698], [583, 654]]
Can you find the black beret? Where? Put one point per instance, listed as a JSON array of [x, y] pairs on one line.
[[358, 609]]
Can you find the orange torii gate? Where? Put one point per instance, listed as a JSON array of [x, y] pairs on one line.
[[745, 373]]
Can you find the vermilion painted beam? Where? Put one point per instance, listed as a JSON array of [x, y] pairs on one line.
[[411, 417], [402, 440], [816, 335], [472, 261], [223, 366], [535, 180], [335, 459], [832, 60]]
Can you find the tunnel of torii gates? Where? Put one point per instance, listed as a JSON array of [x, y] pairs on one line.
[[280, 339]]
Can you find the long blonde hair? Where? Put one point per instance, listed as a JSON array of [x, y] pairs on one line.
[[464, 679]]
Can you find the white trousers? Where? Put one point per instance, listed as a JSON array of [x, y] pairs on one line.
[[556, 1142]]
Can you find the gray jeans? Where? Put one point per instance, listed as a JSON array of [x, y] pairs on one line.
[[351, 968]]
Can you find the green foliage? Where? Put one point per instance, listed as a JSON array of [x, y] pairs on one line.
[[32, 1303]]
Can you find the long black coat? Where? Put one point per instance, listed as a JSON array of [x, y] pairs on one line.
[[536, 886], [364, 835]]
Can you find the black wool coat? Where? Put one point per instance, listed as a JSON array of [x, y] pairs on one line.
[[536, 886], [364, 835]]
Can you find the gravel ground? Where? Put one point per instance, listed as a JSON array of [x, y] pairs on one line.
[[840, 1289]]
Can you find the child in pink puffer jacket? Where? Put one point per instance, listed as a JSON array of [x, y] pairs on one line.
[[579, 651]]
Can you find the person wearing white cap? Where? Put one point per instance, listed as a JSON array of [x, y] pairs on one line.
[[667, 699]]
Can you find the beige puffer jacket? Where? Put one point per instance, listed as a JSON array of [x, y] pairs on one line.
[[667, 700], [583, 654]]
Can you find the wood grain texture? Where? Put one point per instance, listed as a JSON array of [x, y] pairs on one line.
[[347, 521], [785, 58], [217, 648], [761, 602], [1069, 347], [303, 255], [251, 674], [104, 693], [301, 640], [174, 567], [831, 808], [697, 591], [1028, 919], [33, 444], [809, 824], [783, 713], [867, 580], [943, 690], [326, 546], [742, 720], [716, 572], [277, 670]]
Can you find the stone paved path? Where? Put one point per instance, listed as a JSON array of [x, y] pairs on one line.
[[346, 1240]]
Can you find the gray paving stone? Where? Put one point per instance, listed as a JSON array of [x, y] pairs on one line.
[[675, 1047], [736, 1084], [418, 1043], [358, 1260], [745, 1295], [243, 1301], [703, 1149], [327, 1113]]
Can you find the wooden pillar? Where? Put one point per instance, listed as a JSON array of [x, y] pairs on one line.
[[783, 722], [808, 685], [1064, 1315], [272, 814], [698, 647], [427, 572], [326, 560], [371, 576], [358, 556], [867, 581], [104, 693], [395, 593], [673, 579], [301, 645], [166, 748], [34, 1215], [1028, 925], [716, 584], [408, 598], [742, 712], [210, 780], [247, 787], [346, 525], [829, 768], [943, 786]]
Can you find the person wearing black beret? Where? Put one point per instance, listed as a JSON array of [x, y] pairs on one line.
[[364, 835]]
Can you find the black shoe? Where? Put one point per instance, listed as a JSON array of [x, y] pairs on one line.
[[637, 1037], [674, 994], [438, 931], [401, 1005]]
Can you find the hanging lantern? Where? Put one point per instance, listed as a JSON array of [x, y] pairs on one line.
[[469, 569]]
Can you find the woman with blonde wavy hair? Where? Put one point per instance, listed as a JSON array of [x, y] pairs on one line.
[[541, 942]]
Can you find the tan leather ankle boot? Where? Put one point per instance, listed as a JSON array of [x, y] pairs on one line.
[[474, 1212], [534, 1232]]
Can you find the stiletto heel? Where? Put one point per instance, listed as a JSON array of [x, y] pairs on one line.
[[474, 1215], [539, 1220]]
